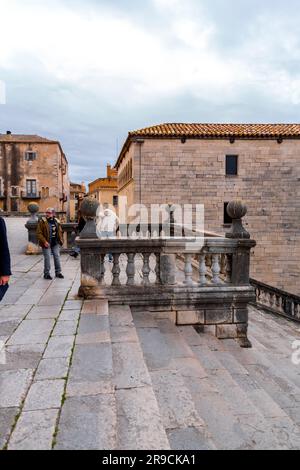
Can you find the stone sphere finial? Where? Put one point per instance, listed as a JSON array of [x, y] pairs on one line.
[[33, 209], [89, 207], [237, 210], [88, 210]]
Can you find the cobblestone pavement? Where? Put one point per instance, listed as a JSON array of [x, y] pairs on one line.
[[86, 375]]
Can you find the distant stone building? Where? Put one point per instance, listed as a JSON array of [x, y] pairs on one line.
[[77, 193], [33, 168], [215, 163], [105, 190]]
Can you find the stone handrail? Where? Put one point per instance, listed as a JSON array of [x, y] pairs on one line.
[[144, 272], [217, 256], [276, 300]]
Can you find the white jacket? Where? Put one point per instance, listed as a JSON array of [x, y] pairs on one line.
[[108, 222]]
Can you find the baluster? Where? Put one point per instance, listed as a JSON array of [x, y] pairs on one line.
[[188, 270], [157, 268], [280, 306], [102, 268], [130, 269], [292, 308], [146, 269], [116, 270], [216, 269], [202, 271], [297, 311], [228, 268]]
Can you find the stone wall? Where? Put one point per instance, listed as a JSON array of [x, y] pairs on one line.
[[268, 181]]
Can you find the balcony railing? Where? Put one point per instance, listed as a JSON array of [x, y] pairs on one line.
[[33, 196]]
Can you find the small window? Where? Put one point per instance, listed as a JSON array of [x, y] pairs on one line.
[[115, 201], [31, 187], [227, 218], [30, 156], [231, 165]]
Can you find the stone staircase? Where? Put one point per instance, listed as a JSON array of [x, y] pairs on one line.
[[137, 381]]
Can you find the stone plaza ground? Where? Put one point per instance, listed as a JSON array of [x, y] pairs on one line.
[[80, 374]]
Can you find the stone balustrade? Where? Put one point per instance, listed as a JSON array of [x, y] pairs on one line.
[[277, 301], [200, 281]]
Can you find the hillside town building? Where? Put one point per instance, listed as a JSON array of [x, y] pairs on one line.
[[33, 168]]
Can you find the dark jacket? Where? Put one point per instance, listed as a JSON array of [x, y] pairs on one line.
[[5, 268], [43, 232], [81, 224]]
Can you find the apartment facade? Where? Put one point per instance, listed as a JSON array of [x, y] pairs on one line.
[[212, 164], [33, 168]]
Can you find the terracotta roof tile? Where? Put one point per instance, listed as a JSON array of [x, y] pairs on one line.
[[219, 130], [210, 131], [25, 139]]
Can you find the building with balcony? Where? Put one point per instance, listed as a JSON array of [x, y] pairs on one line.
[[33, 168], [212, 164]]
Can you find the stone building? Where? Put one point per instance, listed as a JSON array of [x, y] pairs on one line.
[[212, 164], [33, 168], [105, 190], [77, 193]]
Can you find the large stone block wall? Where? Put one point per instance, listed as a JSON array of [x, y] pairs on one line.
[[268, 181]]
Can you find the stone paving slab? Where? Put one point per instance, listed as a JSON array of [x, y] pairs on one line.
[[140, 425], [22, 357], [43, 312], [91, 362], [7, 419], [129, 366], [65, 328], [82, 389], [88, 423], [13, 386], [69, 315], [99, 307], [190, 438], [34, 430], [32, 332], [44, 394], [52, 368], [171, 391], [59, 346]]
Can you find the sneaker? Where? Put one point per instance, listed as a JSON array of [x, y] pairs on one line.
[[47, 276], [60, 276]]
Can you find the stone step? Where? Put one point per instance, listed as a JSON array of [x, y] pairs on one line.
[[88, 418], [171, 363], [252, 411], [135, 398]]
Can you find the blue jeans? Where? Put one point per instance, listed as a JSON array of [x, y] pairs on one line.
[[55, 250], [105, 234]]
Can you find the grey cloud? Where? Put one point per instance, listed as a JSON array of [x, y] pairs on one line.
[[88, 117]]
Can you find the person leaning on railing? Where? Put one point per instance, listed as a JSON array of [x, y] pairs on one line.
[[5, 264]]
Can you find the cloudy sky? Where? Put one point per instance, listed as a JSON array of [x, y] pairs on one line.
[[86, 72]]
